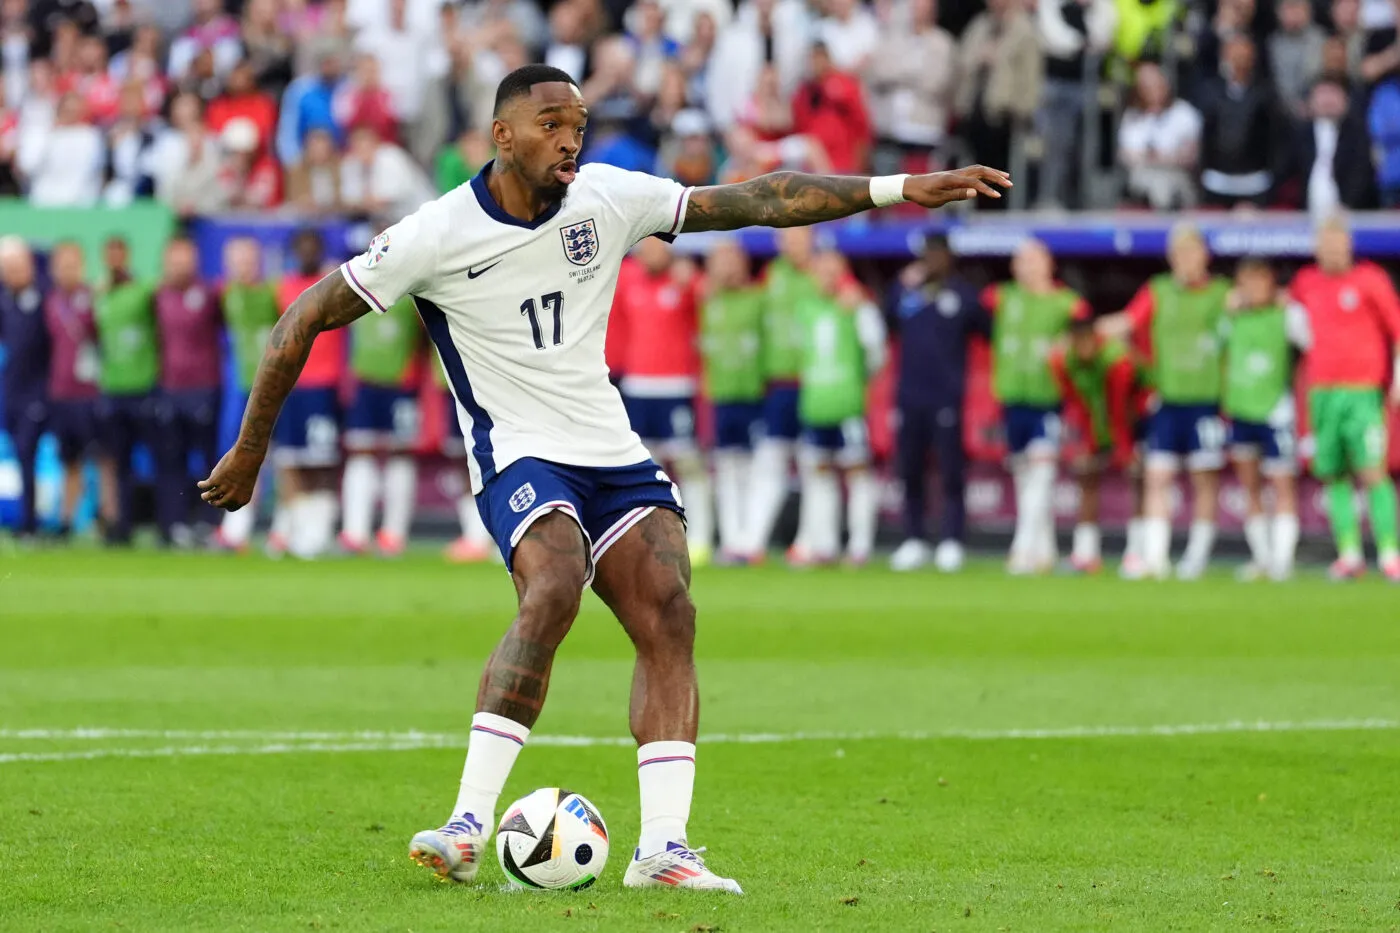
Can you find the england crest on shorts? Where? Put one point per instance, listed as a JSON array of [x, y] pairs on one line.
[[580, 242], [522, 498]]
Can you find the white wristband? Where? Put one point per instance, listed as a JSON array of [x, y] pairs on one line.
[[887, 189]]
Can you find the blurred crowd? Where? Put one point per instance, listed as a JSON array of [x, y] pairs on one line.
[[372, 106]]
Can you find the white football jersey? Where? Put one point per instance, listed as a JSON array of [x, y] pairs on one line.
[[518, 311]]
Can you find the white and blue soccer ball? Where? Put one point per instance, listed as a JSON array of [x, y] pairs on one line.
[[552, 839]]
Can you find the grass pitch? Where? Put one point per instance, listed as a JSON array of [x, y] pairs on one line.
[[920, 753]]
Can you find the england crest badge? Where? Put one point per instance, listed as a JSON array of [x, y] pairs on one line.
[[522, 498], [580, 242]]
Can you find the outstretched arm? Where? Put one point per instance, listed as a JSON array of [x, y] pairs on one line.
[[792, 199], [328, 304]]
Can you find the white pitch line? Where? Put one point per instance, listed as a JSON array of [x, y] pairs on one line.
[[286, 743]]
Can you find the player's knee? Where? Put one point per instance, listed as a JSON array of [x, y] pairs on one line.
[[550, 602], [669, 622]]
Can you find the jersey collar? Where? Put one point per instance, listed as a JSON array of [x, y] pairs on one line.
[[497, 213]]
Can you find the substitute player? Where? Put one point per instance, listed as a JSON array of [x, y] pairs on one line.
[[843, 347], [513, 276], [787, 282], [250, 312], [307, 440], [1354, 319], [1175, 319], [385, 358], [26, 371], [74, 369], [731, 340], [1258, 400], [1102, 406], [659, 359], [1029, 314]]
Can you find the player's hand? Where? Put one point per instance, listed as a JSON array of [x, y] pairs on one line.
[[230, 485], [961, 184]]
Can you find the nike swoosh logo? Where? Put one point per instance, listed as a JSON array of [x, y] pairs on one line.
[[473, 273]]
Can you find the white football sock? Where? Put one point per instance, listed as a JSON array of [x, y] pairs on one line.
[[1156, 544], [731, 468], [768, 491], [1256, 534], [315, 524], [666, 775], [862, 512], [400, 495], [473, 528], [1040, 491], [698, 496], [1087, 543], [491, 752], [1020, 539], [237, 527], [1199, 544], [807, 496], [1285, 543], [1133, 547], [284, 518], [359, 491]]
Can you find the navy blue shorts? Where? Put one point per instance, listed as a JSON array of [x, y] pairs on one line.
[[1193, 433], [780, 420], [74, 426], [737, 423], [666, 418], [1258, 440], [847, 443], [308, 430], [1031, 426], [383, 417], [605, 501]]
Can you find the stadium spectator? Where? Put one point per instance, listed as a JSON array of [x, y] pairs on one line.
[[1243, 131], [269, 48], [1072, 34], [620, 130], [249, 179], [652, 50], [313, 184], [912, 76], [1382, 47], [478, 73], [747, 156], [669, 100], [185, 161], [412, 61], [379, 179], [63, 163], [1333, 153], [91, 81], [309, 104], [1000, 77], [934, 313], [9, 143], [850, 34], [131, 141], [1159, 140], [242, 99], [1383, 121], [695, 57], [26, 372], [1295, 54], [459, 163], [190, 326], [763, 32], [212, 31], [1232, 18], [363, 101], [567, 48], [830, 108], [688, 154], [202, 77], [489, 20], [73, 372], [683, 16], [141, 62], [14, 50], [1346, 29], [768, 114], [323, 31], [1144, 28]]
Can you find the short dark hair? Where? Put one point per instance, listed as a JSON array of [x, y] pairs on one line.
[[1256, 263], [518, 83]]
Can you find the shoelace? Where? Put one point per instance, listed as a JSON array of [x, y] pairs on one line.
[[691, 855]]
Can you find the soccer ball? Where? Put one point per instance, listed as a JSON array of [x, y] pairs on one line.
[[552, 839]]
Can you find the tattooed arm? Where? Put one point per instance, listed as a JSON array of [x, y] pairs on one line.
[[792, 199], [328, 304]]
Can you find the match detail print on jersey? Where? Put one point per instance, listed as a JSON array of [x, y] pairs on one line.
[[522, 348]]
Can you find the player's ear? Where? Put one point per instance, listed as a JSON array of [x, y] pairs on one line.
[[500, 133]]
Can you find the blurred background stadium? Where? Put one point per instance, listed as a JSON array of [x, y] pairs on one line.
[[224, 120]]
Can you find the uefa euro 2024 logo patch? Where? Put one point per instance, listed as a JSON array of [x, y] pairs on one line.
[[580, 242], [378, 249], [522, 498]]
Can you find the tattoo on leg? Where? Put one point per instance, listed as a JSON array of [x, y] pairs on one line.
[[665, 537], [516, 679]]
